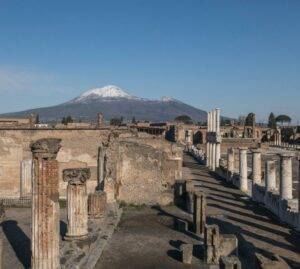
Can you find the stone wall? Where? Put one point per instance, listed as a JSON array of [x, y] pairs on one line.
[[142, 167], [79, 148]]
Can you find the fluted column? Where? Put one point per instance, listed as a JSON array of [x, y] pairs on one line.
[[213, 156], [207, 154], [286, 180], [45, 207], [77, 202], [243, 170], [26, 176], [270, 175], [256, 166]]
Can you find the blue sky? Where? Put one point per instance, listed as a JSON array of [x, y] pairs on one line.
[[241, 56]]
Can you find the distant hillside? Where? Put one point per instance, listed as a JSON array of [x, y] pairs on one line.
[[115, 102]]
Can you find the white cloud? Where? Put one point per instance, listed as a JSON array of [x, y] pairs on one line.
[[20, 79]]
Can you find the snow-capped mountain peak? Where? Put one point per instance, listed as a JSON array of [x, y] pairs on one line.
[[106, 92]]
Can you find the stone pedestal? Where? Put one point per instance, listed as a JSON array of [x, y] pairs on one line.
[[26, 178], [97, 204], [270, 175], [256, 166], [286, 180], [45, 207], [243, 170], [199, 216], [77, 202]]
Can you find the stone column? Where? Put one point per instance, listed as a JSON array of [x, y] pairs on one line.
[[208, 121], [286, 180], [26, 176], [230, 160], [270, 175], [199, 216], [256, 166], [101, 166], [77, 202], [218, 154], [213, 156], [218, 120], [243, 170], [207, 154], [45, 207]]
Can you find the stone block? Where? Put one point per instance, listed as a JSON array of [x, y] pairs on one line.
[[230, 262], [97, 204], [186, 253], [228, 245]]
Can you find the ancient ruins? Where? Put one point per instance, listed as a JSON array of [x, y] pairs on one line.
[[79, 181]]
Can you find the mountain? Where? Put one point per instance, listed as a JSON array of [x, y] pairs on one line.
[[112, 101]]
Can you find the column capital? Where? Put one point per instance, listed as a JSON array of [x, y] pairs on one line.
[[46, 148], [76, 176], [243, 148], [256, 150]]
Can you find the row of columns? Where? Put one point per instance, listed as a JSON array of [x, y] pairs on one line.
[[286, 180], [213, 145]]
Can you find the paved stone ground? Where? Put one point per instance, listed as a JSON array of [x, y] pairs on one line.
[[146, 239], [256, 229]]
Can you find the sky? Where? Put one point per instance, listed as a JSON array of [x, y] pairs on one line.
[[241, 56]]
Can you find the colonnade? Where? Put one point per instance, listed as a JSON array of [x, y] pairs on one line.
[[285, 186]]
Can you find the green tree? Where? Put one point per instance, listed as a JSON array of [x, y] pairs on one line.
[[115, 121], [184, 118], [272, 121], [66, 120], [283, 119], [250, 119], [133, 120]]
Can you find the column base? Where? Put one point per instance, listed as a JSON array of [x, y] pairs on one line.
[[75, 237]]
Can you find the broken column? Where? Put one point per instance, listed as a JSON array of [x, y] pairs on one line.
[[286, 180], [256, 166], [243, 169], [212, 244], [45, 207], [77, 202], [270, 175], [199, 216], [26, 176]]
